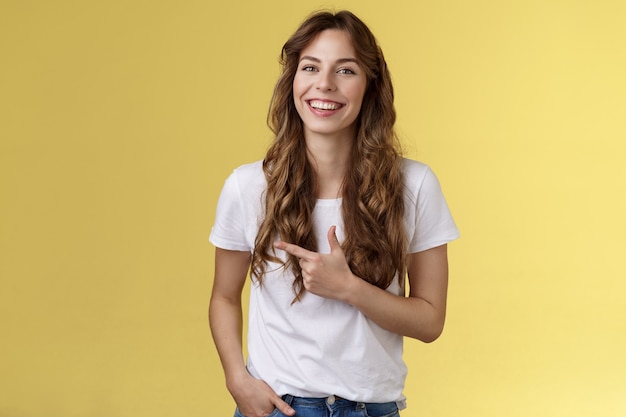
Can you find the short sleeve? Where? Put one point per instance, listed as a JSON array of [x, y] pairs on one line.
[[434, 225], [229, 229]]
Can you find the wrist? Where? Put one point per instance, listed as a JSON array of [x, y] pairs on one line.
[[235, 380], [353, 289]]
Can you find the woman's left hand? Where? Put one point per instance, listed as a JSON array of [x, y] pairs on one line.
[[326, 275], [421, 315]]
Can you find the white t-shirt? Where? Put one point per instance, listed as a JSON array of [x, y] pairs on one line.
[[319, 347]]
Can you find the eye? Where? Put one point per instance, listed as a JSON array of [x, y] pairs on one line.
[[308, 68], [347, 71]]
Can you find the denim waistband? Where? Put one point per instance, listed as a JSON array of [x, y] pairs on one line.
[[334, 402], [330, 400]]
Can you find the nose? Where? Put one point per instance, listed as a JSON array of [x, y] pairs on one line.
[[325, 81]]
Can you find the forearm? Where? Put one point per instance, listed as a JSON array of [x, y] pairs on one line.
[[253, 397], [225, 318], [409, 316]]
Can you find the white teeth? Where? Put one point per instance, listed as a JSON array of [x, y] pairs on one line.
[[324, 105]]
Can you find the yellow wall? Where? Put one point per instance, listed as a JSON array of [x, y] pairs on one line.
[[121, 119]]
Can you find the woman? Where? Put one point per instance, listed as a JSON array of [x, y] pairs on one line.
[[329, 223]]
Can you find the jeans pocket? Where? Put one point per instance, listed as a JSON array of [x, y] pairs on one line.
[[274, 413], [381, 410]]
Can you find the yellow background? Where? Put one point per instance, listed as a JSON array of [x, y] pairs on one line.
[[120, 121]]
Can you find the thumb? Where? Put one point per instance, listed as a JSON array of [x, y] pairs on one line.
[[332, 239], [283, 407]]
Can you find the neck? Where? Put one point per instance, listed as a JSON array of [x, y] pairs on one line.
[[329, 156]]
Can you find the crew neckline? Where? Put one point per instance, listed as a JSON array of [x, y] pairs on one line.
[[328, 201]]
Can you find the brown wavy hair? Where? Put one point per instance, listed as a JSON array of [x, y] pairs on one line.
[[372, 191]]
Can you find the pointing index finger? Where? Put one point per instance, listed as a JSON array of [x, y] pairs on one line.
[[294, 250]]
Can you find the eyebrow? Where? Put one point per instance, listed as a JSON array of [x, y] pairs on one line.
[[339, 61]]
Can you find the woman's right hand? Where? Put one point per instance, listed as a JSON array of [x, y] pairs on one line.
[[255, 398]]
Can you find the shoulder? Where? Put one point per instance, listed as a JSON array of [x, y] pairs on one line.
[[420, 182], [428, 217], [238, 207], [251, 170], [244, 182], [248, 176], [416, 174], [414, 170]]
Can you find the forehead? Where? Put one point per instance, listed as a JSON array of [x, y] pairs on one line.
[[330, 43]]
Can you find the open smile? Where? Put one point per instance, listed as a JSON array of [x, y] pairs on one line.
[[324, 106]]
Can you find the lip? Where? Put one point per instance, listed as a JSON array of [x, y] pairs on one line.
[[323, 112]]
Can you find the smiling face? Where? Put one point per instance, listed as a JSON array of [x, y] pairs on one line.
[[329, 86]]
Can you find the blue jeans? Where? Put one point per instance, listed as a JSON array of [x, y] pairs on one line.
[[334, 407]]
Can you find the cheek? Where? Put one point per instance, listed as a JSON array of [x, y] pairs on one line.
[[297, 91], [356, 93], [357, 100], [298, 86]]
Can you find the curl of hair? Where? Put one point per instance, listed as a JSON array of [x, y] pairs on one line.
[[373, 202]]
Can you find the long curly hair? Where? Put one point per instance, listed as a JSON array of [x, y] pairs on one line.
[[372, 192]]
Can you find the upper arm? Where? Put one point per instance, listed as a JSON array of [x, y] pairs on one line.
[[231, 271], [428, 277]]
